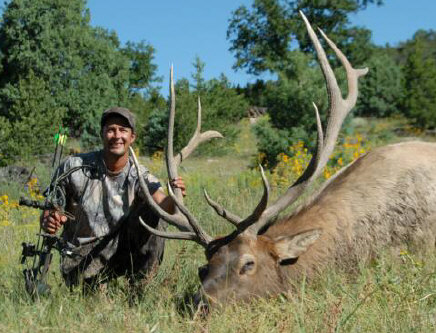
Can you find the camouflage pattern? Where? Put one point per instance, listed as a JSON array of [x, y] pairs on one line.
[[106, 230]]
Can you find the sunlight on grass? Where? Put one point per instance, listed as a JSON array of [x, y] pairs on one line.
[[395, 292]]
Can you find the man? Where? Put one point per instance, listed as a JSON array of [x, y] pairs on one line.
[[102, 192]]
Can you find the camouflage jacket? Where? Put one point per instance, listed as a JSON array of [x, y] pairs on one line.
[[98, 199]]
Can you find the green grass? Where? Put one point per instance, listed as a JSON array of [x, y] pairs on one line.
[[394, 293]]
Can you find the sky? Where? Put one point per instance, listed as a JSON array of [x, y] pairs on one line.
[[181, 30]]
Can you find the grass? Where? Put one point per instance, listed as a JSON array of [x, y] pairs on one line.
[[394, 293]]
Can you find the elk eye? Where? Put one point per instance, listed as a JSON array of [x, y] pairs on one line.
[[202, 272], [248, 266]]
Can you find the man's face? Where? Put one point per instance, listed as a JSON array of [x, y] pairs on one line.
[[117, 136]]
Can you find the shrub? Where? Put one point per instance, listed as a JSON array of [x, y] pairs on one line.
[[222, 108]]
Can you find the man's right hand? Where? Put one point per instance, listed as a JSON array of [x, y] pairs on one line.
[[52, 220]]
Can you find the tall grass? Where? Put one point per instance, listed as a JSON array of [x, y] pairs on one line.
[[396, 292]]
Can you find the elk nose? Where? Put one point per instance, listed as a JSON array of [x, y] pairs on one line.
[[202, 272]]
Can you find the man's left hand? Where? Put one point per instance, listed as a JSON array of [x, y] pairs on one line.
[[180, 184]]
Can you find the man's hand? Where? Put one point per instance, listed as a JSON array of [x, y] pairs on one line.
[[179, 183], [52, 220], [166, 203]]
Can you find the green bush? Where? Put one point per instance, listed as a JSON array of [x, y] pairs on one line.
[[33, 120], [57, 68], [222, 108], [420, 87], [381, 90]]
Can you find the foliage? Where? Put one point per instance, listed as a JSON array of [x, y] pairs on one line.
[[254, 93], [10, 209], [198, 75], [290, 108], [142, 70], [271, 36], [270, 142], [292, 164], [290, 98], [221, 107], [262, 36], [80, 64], [144, 108], [427, 38], [381, 90], [8, 148], [420, 87], [32, 119], [79, 70], [394, 292], [156, 130]]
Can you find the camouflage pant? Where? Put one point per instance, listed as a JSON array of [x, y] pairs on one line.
[[131, 251]]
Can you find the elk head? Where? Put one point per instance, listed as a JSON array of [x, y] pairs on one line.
[[249, 262]]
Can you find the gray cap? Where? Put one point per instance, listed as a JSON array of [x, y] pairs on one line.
[[118, 111]]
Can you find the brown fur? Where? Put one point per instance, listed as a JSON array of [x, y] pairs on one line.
[[385, 199]]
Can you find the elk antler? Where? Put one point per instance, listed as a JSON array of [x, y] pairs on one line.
[[261, 216], [338, 110], [221, 211], [236, 220], [182, 219], [197, 139]]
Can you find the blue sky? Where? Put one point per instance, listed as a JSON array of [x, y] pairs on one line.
[[182, 30]]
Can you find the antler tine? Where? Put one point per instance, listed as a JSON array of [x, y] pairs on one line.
[[177, 220], [169, 153], [260, 208], [338, 107], [221, 211], [241, 224], [197, 139], [338, 110], [352, 74], [201, 234], [182, 219], [173, 235]]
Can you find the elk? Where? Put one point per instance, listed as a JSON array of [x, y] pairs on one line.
[[387, 198]]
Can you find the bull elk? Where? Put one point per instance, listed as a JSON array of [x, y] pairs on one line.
[[385, 198]]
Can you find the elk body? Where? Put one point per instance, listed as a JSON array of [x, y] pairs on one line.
[[386, 198]]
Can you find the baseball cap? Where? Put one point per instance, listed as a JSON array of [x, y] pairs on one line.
[[123, 112]]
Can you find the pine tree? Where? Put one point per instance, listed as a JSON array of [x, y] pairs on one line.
[[420, 87], [381, 90]]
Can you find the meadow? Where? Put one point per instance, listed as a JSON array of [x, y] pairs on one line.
[[396, 292]]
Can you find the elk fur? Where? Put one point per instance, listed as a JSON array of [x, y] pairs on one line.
[[385, 198]]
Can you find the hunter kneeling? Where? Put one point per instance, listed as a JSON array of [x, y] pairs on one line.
[[102, 192]]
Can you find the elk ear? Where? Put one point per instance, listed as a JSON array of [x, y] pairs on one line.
[[291, 247]]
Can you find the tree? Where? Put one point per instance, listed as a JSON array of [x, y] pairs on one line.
[[271, 36], [420, 86], [83, 69], [143, 109], [222, 108], [381, 90], [198, 75], [404, 49], [33, 117], [262, 36], [289, 101], [142, 70], [80, 64]]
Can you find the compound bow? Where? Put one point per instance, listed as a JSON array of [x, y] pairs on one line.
[[35, 277]]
